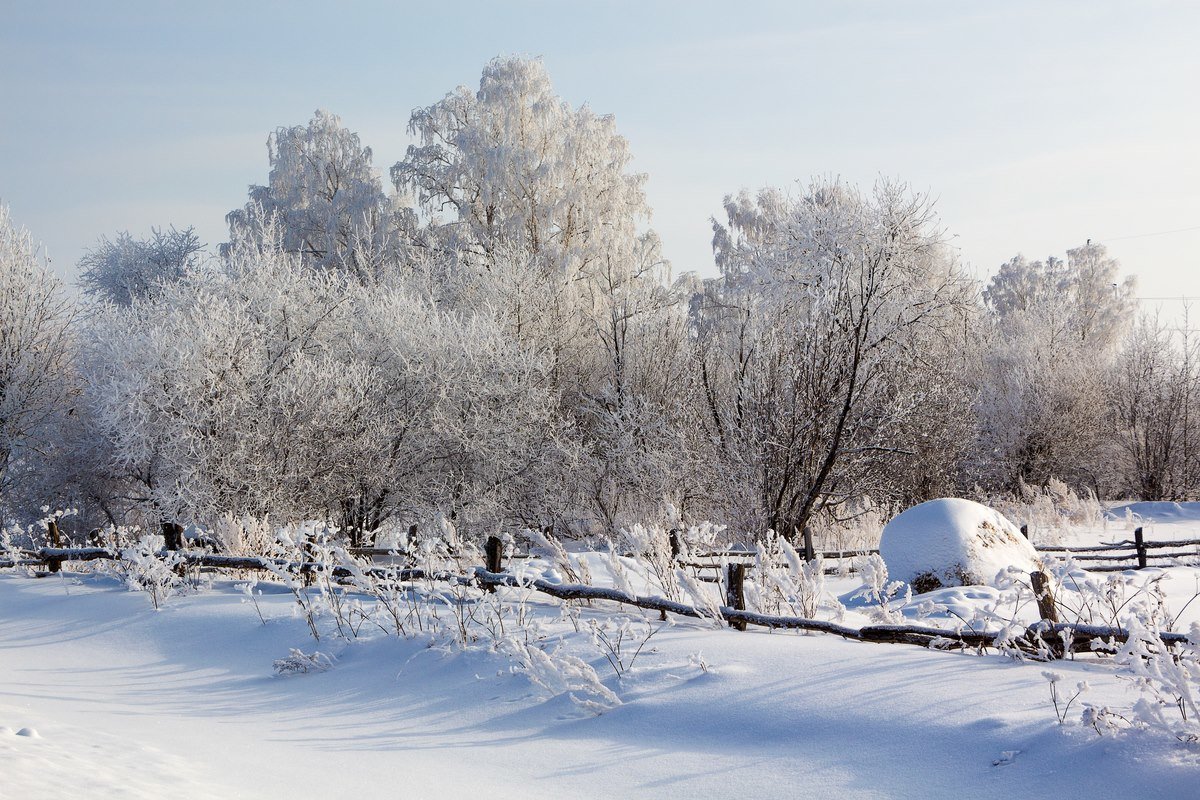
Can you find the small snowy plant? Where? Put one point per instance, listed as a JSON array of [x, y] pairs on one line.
[[144, 569], [651, 549], [545, 544], [1062, 704], [298, 663], [558, 672], [250, 594], [879, 591], [10, 547], [784, 583], [1168, 677], [621, 641]]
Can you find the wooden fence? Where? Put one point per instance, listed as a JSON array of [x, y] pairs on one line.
[[1047, 638], [1136, 553]]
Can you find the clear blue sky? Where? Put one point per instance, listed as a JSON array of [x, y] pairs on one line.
[[1036, 125]]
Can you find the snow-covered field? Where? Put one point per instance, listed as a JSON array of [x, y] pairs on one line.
[[103, 696]]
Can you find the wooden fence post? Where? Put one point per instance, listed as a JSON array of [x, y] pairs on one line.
[[676, 545], [1047, 609], [410, 546], [172, 533], [55, 537], [493, 551], [308, 558], [1141, 548], [735, 591]]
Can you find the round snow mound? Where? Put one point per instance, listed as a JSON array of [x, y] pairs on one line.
[[953, 542]]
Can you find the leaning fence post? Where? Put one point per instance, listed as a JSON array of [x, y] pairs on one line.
[[1047, 608], [735, 591], [1140, 543]]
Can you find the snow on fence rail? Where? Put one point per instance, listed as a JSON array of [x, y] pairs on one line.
[[1047, 638]]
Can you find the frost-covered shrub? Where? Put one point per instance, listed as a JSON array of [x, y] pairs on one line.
[[782, 582], [146, 568], [244, 535], [1052, 511], [887, 597], [544, 544], [621, 640], [650, 546], [859, 530]]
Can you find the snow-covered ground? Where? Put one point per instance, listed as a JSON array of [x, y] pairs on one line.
[[118, 700], [1160, 521]]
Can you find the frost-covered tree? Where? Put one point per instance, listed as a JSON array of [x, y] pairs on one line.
[[512, 163], [36, 348], [1151, 391], [818, 344], [223, 393], [123, 269], [538, 215], [1053, 332], [533, 197], [266, 387], [325, 200], [1079, 299]]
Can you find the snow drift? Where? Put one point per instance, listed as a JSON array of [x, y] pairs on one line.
[[953, 542]]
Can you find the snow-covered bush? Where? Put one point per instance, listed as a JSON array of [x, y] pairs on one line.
[[1164, 670], [244, 535], [1041, 408], [126, 269], [1168, 677], [557, 672], [545, 544], [621, 640], [650, 546]]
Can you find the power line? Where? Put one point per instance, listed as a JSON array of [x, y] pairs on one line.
[[1145, 235]]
